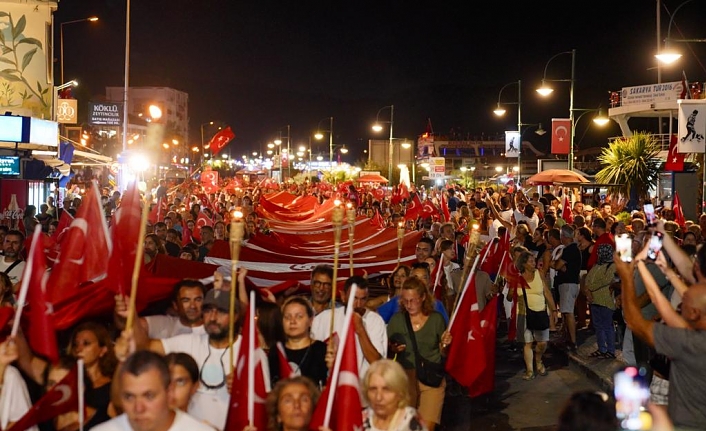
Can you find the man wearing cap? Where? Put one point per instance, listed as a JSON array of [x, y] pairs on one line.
[[211, 351]]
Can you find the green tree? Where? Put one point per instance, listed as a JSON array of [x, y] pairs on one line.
[[632, 164]]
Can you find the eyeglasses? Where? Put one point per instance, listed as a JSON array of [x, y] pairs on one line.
[[317, 283], [223, 369]]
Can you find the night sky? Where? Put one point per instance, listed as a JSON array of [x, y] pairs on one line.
[[260, 66]]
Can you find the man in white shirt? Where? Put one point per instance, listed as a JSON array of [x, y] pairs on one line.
[[188, 299], [11, 262], [144, 391], [211, 351], [370, 329]]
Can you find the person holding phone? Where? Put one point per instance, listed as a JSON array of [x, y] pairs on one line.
[[683, 340]]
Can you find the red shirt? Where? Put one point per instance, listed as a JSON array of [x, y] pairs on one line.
[[606, 238]]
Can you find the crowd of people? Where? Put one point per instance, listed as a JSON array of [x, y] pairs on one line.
[[172, 369]]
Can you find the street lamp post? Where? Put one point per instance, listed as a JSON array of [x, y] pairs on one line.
[[278, 142], [545, 91], [320, 135], [499, 111], [668, 56], [208, 123], [377, 127], [61, 41]]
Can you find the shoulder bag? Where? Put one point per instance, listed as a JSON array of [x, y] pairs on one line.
[[534, 320], [428, 372]]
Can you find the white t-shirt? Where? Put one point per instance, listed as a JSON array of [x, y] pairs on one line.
[[182, 422], [162, 326], [16, 273], [14, 399], [211, 405], [532, 222], [374, 326]]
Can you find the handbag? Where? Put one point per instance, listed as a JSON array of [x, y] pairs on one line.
[[535, 320], [428, 372]]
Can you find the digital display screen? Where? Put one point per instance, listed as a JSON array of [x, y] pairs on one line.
[[9, 165], [10, 128]]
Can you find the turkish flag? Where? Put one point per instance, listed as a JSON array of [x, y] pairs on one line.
[[61, 398], [54, 247], [445, 208], [377, 220], [404, 191], [428, 209], [285, 370], [249, 382], [396, 196], [41, 333], [379, 194], [203, 220], [65, 220], [561, 135], [343, 385], [220, 140], [465, 328], [158, 211], [678, 211], [566, 212], [84, 251], [125, 235], [675, 159], [488, 328], [414, 208]]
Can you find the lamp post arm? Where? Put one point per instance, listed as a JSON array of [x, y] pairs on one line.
[[671, 18], [546, 66]]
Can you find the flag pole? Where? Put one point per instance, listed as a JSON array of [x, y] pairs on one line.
[[339, 355], [251, 360], [350, 214], [473, 240], [138, 260], [400, 240], [461, 294], [81, 399], [437, 279], [236, 237], [336, 219], [24, 286]]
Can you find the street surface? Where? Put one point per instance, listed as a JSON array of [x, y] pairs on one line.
[[516, 404]]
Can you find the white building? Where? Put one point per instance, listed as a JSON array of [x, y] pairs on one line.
[[173, 103]]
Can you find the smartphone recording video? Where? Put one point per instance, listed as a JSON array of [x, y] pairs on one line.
[[632, 393], [623, 245], [649, 210], [655, 245]]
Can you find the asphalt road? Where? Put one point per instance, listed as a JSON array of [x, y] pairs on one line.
[[516, 404]]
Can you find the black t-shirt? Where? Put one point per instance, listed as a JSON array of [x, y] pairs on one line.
[[572, 256], [309, 362]]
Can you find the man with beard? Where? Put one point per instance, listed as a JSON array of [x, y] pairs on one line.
[[187, 302], [212, 352], [12, 263], [370, 329]]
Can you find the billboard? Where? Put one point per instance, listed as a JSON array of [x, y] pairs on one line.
[[105, 114]]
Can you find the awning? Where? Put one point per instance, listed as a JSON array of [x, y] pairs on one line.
[[48, 154]]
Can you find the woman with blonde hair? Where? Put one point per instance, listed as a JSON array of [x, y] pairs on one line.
[[385, 392]]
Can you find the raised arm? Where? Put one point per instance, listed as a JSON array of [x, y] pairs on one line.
[[633, 317], [664, 307], [682, 261]]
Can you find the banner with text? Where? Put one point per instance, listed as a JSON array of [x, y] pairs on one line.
[[105, 114]]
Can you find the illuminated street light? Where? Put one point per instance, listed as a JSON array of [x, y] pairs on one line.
[[61, 41], [377, 127], [669, 55], [318, 135]]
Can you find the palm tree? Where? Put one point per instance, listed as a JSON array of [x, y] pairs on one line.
[[632, 164]]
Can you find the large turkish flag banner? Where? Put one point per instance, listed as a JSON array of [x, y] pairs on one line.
[[561, 135]]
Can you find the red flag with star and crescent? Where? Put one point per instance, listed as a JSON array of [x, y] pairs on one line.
[[59, 399], [675, 159], [678, 211], [220, 140], [40, 330], [561, 135], [84, 251]]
